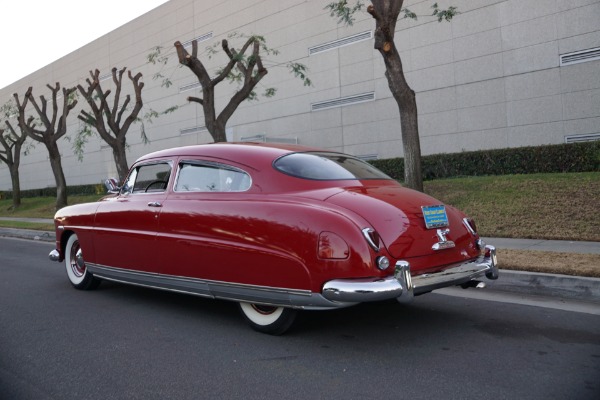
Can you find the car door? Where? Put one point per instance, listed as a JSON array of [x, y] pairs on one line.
[[126, 225], [214, 226]]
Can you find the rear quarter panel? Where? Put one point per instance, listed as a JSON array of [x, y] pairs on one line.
[[257, 240]]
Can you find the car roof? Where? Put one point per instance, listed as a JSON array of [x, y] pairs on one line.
[[244, 153]]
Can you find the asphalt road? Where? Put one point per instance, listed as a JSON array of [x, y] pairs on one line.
[[123, 342]]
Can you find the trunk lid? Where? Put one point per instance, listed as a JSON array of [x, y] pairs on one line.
[[395, 213]]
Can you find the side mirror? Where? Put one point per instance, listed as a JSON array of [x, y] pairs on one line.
[[112, 186]]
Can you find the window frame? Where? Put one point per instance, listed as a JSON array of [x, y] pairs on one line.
[[135, 170]]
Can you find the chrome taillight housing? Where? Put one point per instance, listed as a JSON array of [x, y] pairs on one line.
[[470, 225], [372, 238]]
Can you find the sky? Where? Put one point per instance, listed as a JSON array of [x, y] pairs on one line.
[[36, 33]]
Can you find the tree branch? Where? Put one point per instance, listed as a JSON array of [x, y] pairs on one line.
[[195, 99]]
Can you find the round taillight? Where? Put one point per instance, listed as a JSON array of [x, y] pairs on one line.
[[383, 263]]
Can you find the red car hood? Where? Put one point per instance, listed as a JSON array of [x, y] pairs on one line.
[[395, 213]]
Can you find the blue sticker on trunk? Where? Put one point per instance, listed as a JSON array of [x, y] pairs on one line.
[[435, 216]]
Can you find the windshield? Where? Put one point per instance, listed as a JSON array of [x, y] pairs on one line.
[[327, 166]]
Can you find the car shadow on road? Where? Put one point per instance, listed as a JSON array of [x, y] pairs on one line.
[[426, 315]]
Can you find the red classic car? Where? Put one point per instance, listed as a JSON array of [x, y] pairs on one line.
[[276, 228]]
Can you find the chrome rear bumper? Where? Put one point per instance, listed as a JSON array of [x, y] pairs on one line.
[[404, 287]]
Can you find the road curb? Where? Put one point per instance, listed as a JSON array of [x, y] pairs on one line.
[[547, 285], [29, 234]]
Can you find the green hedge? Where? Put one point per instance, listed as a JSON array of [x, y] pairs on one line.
[[576, 157], [51, 191]]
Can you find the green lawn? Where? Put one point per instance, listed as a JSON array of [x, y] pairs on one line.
[[540, 206], [39, 207]]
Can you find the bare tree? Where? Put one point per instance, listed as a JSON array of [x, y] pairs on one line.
[[49, 129], [10, 153], [12, 144], [109, 121], [245, 66], [386, 13]]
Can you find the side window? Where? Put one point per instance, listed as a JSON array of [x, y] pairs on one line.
[[196, 177], [148, 178]]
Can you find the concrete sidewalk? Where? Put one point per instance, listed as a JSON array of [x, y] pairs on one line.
[[563, 246]]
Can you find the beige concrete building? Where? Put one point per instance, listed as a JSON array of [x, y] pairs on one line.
[[504, 73]]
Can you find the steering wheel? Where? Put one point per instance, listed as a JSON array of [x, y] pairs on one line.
[[155, 183]]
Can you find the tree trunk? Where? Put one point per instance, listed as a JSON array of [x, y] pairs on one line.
[[120, 156], [16, 186], [407, 105], [219, 135], [59, 176], [386, 14], [217, 131]]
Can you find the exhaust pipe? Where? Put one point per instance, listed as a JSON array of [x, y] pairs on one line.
[[473, 284]]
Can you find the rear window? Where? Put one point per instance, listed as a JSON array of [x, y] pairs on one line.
[[327, 166]]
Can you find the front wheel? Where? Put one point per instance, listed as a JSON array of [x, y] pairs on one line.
[[78, 274], [268, 319]]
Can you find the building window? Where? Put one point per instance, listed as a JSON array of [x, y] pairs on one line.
[[336, 44], [343, 101], [580, 56]]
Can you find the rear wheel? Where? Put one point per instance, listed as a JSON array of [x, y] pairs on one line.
[[78, 274], [268, 319]]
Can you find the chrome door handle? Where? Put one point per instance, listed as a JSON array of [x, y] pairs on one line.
[[154, 204]]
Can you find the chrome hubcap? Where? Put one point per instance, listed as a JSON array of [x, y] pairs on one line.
[[77, 263]]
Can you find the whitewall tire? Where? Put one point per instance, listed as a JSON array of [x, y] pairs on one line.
[[268, 319], [77, 272]]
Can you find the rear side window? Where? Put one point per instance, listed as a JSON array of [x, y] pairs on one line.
[[209, 177], [327, 166]]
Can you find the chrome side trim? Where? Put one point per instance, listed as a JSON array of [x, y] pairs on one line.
[[295, 298]]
